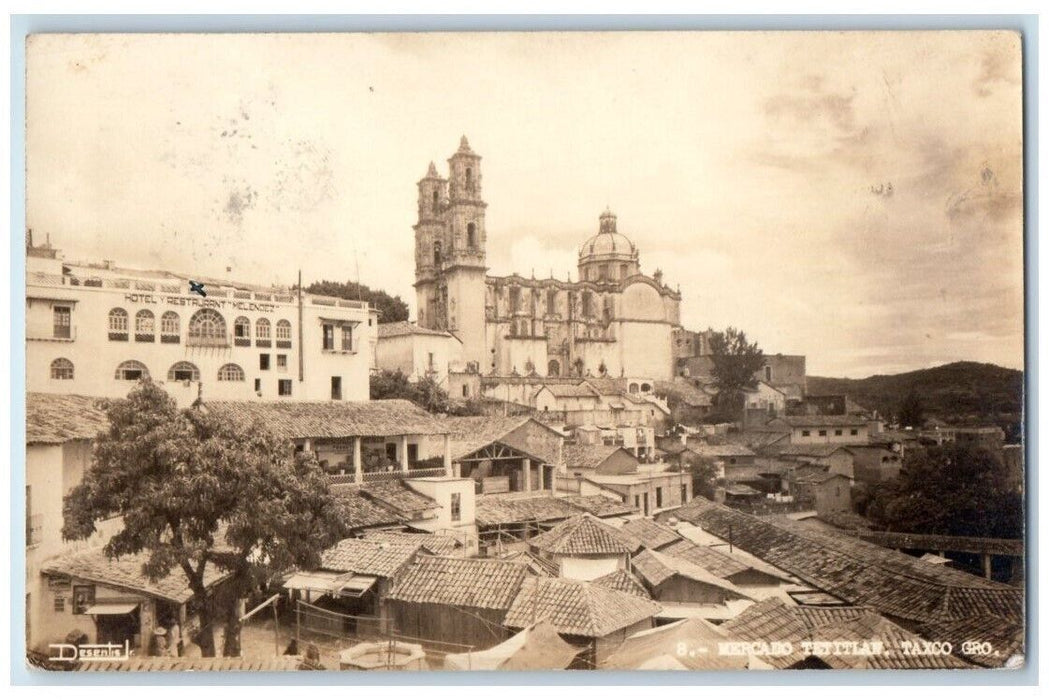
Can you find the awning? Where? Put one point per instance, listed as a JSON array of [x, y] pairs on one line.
[[332, 582], [112, 609], [323, 581], [356, 586]]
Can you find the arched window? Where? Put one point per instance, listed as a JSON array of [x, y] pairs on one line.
[[471, 235], [283, 334], [117, 321], [132, 371], [262, 329], [435, 200], [553, 368], [231, 373], [169, 323], [469, 179], [61, 369], [183, 372], [207, 326], [633, 388], [144, 322], [645, 388], [436, 252], [241, 328]]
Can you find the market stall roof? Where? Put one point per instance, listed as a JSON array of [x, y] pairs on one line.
[[537, 647]]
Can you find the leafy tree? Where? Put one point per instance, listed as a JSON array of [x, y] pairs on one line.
[[735, 363], [704, 475], [391, 308], [425, 393], [953, 489], [198, 495], [912, 411]]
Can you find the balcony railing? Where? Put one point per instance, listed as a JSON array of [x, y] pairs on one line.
[[58, 334], [196, 341], [374, 477]]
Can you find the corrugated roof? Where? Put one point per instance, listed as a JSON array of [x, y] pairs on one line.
[[585, 534], [859, 572], [332, 419], [53, 419], [368, 557], [127, 573], [477, 583], [577, 607]]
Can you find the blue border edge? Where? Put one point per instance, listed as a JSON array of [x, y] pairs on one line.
[[23, 25]]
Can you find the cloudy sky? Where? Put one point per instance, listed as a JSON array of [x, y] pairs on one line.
[[854, 197]]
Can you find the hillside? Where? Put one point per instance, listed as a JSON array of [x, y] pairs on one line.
[[961, 392]]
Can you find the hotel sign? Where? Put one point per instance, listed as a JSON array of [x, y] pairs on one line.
[[175, 300]]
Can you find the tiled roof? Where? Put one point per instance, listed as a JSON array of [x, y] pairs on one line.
[[718, 451], [477, 583], [332, 419], [760, 441], [395, 495], [536, 565], [821, 421], [588, 456], [585, 534], [685, 392], [712, 560], [808, 450], [398, 328], [502, 509], [577, 607], [858, 572], [52, 419], [774, 620], [471, 433], [600, 505], [1006, 637], [651, 534], [582, 389], [361, 512], [623, 580], [657, 567], [433, 543], [368, 557], [126, 573]]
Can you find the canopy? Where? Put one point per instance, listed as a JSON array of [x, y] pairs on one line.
[[332, 582], [535, 648], [112, 609], [690, 644]]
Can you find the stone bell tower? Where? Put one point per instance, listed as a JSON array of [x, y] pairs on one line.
[[450, 242]]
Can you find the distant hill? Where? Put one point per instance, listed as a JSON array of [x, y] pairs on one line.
[[958, 393]]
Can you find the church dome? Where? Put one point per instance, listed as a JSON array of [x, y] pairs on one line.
[[608, 243]]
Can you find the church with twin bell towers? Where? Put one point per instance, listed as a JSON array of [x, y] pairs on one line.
[[613, 321]]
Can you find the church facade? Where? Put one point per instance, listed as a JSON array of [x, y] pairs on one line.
[[613, 321]]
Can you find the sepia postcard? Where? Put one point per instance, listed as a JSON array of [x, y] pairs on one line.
[[541, 351]]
